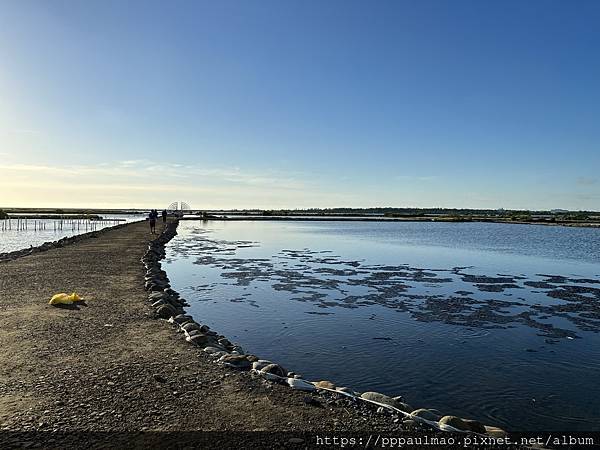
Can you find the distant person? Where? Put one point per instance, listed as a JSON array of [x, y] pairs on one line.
[[164, 216], [152, 217]]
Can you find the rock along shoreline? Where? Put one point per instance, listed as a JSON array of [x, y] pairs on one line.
[[169, 306]]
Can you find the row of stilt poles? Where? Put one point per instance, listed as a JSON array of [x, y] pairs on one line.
[[56, 225]]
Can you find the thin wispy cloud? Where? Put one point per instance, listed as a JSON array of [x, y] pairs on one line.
[[19, 131], [25, 131], [586, 181], [144, 183], [383, 136], [416, 177], [136, 171]]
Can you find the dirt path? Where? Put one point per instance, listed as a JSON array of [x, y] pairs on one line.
[[110, 366]]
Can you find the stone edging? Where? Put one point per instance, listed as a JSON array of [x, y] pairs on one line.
[[67, 240], [168, 305]]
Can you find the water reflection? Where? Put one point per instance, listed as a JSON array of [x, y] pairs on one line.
[[490, 329], [328, 280]]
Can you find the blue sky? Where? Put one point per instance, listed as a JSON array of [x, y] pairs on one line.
[[300, 103]]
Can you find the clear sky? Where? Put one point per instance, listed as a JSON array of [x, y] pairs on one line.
[[300, 103]]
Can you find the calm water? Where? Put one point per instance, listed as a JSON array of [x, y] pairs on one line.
[[17, 239], [489, 321]]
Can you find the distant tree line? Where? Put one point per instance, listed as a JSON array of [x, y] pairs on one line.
[[458, 213]]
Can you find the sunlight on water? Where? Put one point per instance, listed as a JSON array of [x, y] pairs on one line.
[[49, 230], [481, 320]]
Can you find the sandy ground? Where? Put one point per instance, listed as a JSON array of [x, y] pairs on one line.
[[109, 365]]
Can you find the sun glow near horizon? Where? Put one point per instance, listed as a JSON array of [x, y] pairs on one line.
[[236, 105]]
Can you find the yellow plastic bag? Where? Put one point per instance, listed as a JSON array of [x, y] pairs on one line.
[[64, 299]]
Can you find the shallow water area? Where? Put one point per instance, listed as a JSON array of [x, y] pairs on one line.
[[15, 237], [487, 321]]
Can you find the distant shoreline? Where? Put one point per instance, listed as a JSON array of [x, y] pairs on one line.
[[584, 219], [315, 218]]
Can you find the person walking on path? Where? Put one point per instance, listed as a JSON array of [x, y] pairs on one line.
[[164, 216], [152, 217]]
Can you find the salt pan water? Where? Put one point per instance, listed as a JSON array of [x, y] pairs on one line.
[[38, 231], [496, 322]]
